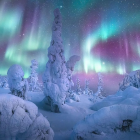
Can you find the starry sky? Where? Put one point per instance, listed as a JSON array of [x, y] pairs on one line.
[[105, 33]]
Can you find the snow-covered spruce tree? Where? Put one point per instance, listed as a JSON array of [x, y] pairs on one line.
[[33, 79], [100, 86], [17, 84], [131, 79], [87, 90], [57, 77], [20, 120], [78, 90], [3, 81]]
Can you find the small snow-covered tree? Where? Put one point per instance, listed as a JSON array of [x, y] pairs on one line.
[[100, 85], [57, 77], [3, 81], [98, 95], [131, 79], [17, 84], [78, 90], [87, 90], [33, 79]]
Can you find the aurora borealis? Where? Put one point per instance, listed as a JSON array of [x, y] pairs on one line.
[[105, 33]]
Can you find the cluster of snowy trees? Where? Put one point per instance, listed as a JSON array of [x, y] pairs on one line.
[[20, 119], [114, 114]]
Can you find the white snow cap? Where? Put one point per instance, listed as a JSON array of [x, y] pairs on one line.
[[15, 71], [20, 119], [72, 61], [34, 62]]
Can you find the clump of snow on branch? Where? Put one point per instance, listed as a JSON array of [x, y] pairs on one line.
[[20, 119], [33, 79], [132, 79], [17, 84], [57, 77], [70, 68]]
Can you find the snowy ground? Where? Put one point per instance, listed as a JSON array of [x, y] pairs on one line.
[[61, 123]]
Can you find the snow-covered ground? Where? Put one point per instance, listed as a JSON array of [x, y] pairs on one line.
[[113, 120], [61, 123]]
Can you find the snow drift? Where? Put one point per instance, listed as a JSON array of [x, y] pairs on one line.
[[130, 96], [20, 120], [108, 120]]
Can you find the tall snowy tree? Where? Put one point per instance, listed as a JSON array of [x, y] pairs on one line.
[[57, 81], [33, 79], [17, 84]]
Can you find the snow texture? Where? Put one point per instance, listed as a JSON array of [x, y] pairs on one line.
[[17, 84], [130, 96], [116, 113], [108, 120], [33, 79], [131, 79], [20, 120], [57, 77]]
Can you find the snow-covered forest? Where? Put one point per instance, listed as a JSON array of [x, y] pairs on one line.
[[54, 110]]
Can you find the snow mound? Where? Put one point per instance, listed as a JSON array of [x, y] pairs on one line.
[[130, 96], [108, 121], [20, 119]]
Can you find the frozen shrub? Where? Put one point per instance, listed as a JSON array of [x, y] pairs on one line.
[[17, 84]]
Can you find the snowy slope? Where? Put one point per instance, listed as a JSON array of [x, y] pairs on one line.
[[20, 120]]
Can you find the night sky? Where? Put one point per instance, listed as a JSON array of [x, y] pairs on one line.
[[105, 33]]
